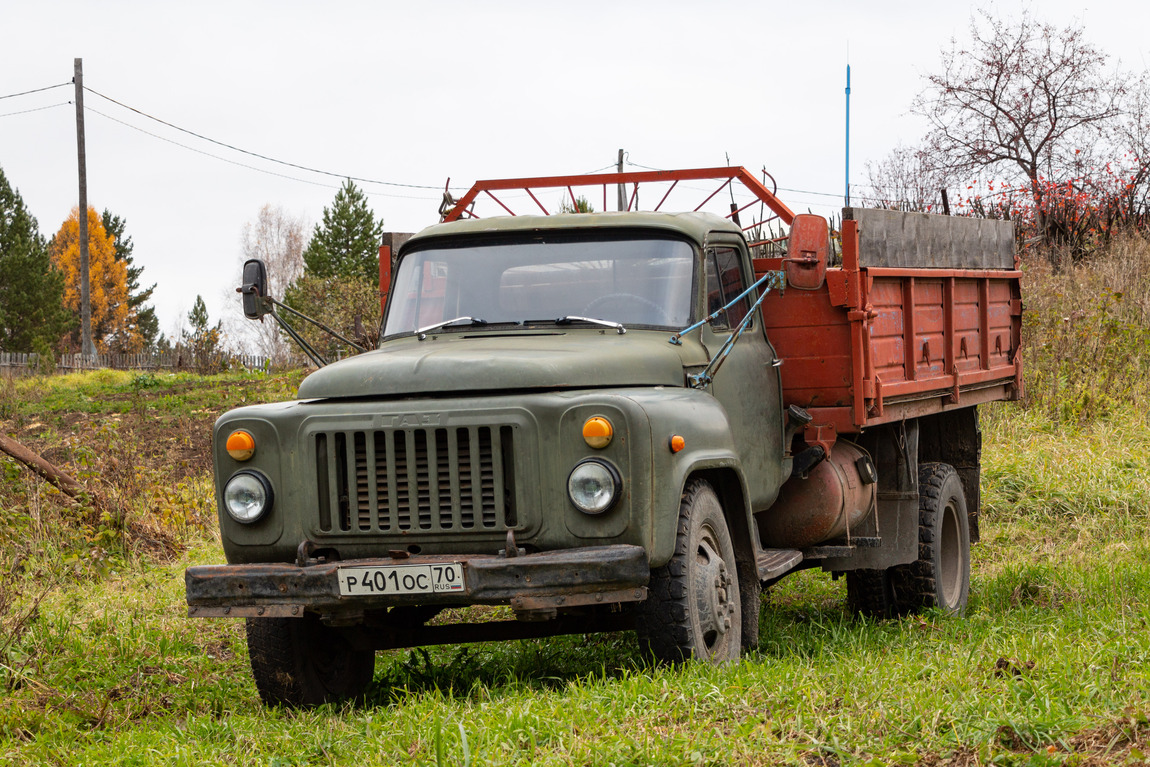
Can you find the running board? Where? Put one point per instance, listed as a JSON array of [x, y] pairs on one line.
[[773, 563]]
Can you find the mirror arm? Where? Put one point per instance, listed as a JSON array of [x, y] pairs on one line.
[[316, 323], [307, 348]]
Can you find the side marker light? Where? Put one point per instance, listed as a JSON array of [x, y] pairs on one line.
[[677, 443]]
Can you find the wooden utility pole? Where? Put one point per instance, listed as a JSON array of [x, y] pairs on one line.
[[622, 187], [88, 348]]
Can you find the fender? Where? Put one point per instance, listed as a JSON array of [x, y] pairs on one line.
[[704, 425]]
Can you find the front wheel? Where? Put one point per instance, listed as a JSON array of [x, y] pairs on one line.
[[693, 608], [300, 662]]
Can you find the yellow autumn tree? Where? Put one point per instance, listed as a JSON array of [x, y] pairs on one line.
[[112, 330]]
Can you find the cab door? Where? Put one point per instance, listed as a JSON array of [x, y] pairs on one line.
[[748, 382]]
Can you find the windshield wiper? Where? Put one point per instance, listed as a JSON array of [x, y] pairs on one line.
[[422, 332], [568, 319]]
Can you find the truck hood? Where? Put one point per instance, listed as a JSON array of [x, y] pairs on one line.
[[459, 362]]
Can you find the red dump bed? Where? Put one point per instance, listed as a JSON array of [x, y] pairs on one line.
[[924, 315]]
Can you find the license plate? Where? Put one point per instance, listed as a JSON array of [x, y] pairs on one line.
[[401, 579]]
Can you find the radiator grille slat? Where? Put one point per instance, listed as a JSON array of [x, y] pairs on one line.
[[416, 480]]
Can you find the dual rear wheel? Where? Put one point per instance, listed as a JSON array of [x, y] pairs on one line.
[[940, 576]]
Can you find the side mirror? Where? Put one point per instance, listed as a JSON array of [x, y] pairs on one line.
[[806, 262], [254, 289]]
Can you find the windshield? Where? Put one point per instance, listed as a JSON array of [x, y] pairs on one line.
[[630, 280]]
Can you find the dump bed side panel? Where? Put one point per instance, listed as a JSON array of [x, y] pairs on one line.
[[940, 336], [877, 344]]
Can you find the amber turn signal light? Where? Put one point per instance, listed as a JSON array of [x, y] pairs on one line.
[[597, 432], [241, 445], [677, 443]]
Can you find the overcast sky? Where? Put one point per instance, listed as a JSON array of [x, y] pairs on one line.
[[418, 92]]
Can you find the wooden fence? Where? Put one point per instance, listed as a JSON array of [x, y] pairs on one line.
[[18, 364]]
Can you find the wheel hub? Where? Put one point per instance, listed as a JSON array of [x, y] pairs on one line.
[[713, 583]]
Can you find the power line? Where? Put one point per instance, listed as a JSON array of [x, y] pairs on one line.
[[277, 161], [35, 90], [240, 164], [37, 109], [257, 154], [200, 151], [599, 170], [807, 191]]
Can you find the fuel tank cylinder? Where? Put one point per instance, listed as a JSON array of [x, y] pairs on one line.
[[832, 499]]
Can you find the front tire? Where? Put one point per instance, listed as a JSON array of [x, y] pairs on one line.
[[693, 609], [300, 662]]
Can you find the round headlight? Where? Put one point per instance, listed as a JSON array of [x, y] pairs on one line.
[[594, 486], [247, 496]]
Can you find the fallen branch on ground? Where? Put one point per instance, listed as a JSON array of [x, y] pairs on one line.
[[67, 484]]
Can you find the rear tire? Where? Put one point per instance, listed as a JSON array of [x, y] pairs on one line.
[[300, 662], [940, 577], [693, 608], [871, 593]]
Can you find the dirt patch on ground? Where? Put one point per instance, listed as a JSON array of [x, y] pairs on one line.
[[132, 431], [108, 447], [1126, 741]]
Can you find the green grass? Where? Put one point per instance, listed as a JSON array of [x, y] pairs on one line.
[[1051, 665], [107, 392]]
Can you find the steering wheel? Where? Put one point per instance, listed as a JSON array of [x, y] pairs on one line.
[[660, 312]]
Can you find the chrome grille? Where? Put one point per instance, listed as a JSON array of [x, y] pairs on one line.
[[428, 480]]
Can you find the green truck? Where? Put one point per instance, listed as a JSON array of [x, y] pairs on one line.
[[618, 421]]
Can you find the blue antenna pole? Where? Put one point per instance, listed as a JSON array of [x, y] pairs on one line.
[[847, 189]]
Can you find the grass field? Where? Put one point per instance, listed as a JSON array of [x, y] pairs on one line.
[[1051, 666]]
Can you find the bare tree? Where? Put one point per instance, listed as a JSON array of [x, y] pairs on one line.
[[1132, 139], [278, 239], [1020, 100], [905, 180]]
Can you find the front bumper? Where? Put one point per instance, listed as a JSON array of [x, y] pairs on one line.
[[546, 581]]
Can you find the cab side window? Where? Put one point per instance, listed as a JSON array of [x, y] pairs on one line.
[[725, 281]]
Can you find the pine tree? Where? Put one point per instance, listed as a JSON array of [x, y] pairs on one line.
[[346, 244], [32, 313], [203, 341], [141, 317]]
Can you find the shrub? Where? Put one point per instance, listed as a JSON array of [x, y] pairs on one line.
[[1086, 331]]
